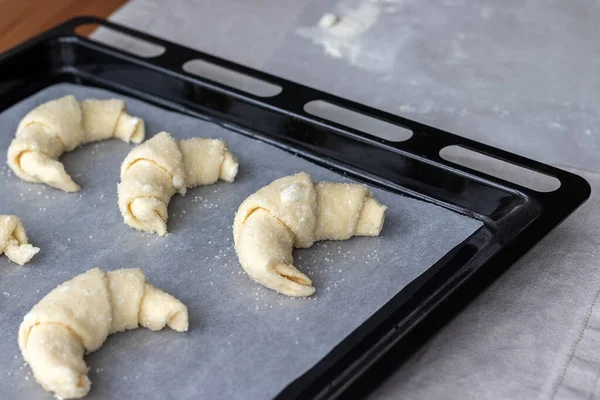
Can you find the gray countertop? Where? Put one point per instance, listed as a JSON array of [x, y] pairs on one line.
[[519, 75]]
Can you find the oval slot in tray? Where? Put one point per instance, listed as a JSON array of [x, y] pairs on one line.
[[358, 121]]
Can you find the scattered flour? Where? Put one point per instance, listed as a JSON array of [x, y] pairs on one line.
[[344, 34]]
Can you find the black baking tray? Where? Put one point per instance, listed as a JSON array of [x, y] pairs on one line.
[[514, 217]]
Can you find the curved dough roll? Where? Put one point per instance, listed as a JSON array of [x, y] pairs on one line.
[[155, 170], [293, 212], [79, 314], [13, 240], [61, 125]]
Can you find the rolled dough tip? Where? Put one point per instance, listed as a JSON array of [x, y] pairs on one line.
[[72, 188], [306, 291], [139, 133], [28, 252], [290, 272], [229, 167], [21, 254], [130, 129], [179, 322], [146, 215], [296, 284], [371, 219]]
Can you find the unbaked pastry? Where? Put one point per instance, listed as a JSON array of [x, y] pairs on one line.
[[13, 240], [293, 212], [79, 314], [61, 125], [155, 170]]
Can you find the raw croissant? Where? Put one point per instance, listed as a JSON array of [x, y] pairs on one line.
[[293, 212], [154, 171], [61, 125], [13, 240], [77, 317]]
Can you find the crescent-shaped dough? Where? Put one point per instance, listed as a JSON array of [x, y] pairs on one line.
[[79, 314], [293, 212], [155, 170], [61, 125], [13, 240]]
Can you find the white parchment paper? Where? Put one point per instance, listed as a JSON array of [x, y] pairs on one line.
[[245, 341]]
